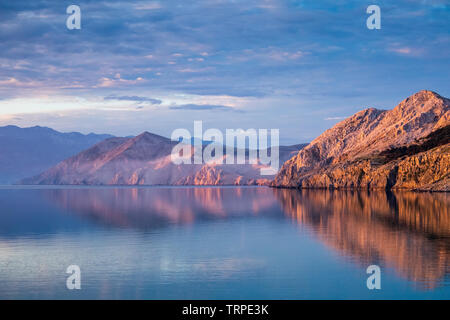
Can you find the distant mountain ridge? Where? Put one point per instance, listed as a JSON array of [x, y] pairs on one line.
[[403, 148], [28, 151], [146, 160]]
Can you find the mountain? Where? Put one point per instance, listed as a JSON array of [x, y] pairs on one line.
[[146, 160], [28, 151], [403, 148]]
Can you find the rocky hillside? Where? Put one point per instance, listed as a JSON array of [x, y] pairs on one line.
[[403, 148], [146, 160]]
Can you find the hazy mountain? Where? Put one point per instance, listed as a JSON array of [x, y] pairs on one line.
[[146, 160], [403, 148], [28, 151]]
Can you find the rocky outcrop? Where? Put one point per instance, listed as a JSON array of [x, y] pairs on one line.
[[404, 148], [426, 171]]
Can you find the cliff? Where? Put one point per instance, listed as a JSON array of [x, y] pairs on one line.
[[403, 148]]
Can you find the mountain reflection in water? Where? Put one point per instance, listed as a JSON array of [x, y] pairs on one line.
[[150, 208], [407, 232]]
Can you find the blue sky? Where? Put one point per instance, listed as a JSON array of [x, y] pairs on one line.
[[300, 66]]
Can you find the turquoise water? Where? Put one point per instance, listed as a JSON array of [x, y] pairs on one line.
[[222, 243]]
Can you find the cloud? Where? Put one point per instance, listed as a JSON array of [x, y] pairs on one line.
[[134, 98], [316, 54], [13, 82], [10, 81], [407, 51], [148, 6], [283, 55], [335, 118], [118, 80], [202, 107], [404, 50]]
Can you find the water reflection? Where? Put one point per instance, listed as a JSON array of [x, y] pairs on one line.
[[408, 232], [150, 208]]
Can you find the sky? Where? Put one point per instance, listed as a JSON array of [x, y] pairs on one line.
[[293, 65]]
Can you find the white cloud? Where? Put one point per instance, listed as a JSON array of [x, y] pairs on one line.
[[404, 50], [13, 82], [148, 6], [118, 80]]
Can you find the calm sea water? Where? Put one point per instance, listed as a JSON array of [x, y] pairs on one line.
[[222, 243]]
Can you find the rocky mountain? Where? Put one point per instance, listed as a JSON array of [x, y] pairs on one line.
[[28, 151], [146, 160], [403, 148]]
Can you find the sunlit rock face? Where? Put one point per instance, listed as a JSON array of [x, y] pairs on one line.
[[146, 160], [405, 231], [403, 148]]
